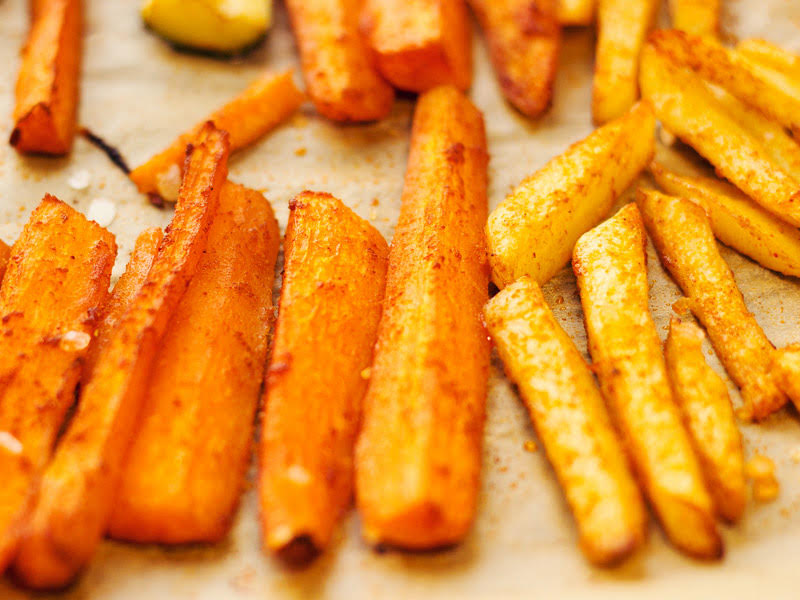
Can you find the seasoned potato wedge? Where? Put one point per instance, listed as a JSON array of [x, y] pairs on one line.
[[418, 456], [695, 17], [622, 27], [576, 12], [771, 56], [77, 489], [524, 38], [419, 44], [609, 263], [682, 234], [338, 70], [5, 254], [737, 221], [532, 232], [570, 417], [703, 398], [785, 369], [689, 110]]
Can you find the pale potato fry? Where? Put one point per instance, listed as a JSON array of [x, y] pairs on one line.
[[609, 263], [571, 419], [696, 17], [682, 234], [703, 398], [737, 221], [576, 12], [622, 27], [689, 110], [785, 370], [533, 230], [772, 56]]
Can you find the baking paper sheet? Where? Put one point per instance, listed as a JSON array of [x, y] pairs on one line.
[[139, 94]]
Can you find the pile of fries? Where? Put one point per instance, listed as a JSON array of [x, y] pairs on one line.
[[374, 387]]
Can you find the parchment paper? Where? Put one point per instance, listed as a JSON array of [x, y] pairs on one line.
[[139, 93]]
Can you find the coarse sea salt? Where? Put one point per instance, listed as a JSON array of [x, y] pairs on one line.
[[10, 443], [79, 180], [102, 211]]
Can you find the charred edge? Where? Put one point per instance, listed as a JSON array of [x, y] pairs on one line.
[[15, 135], [110, 151], [299, 552], [156, 200]]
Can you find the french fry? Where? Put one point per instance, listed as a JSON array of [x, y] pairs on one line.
[[737, 221], [418, 457], [177, 486], [703, 398], [785, 370], [622, 27], [609, 263], [771, 56], [682, 235], [532, 232], [689, 110], [576, 12], [78, 486], [5, 254], [420, 44], [122, 296], [252, 114], [48, 82], [56, 283], [329, 312], [570, 417], [338, 70], [695, 17], [524, 39]]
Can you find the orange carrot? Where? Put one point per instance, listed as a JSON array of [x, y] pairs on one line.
[[5, 254]]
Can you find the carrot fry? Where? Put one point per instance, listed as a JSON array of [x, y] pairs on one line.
[[419, 44], [337, 66], [178, 486], [334, 279], [78, 486], [121, 298], [571, 419], [48, 81], [682, 235], [524, 39], [609, 263], [56, 283], [252, 114], [5, 254], [419, 454]]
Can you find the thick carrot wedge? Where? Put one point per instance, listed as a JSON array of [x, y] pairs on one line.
[[47, 86], [248, 117], [333, 284], [609, 263], [178, 486], [571, 419], [682, 235], [419, 44], [337, 66], [419, 454], [695, 17], [5, 254], [78, 486], [125, 291], [524, 39], [56, 284]]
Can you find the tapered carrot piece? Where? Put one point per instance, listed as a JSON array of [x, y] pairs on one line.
[[125, 291], [333, 284], [5, 254], [78, 486], [524, 38], [178, 486], [261, 107], [47, 85], [419, 454], [56, 284], [339, 74], [419, 44]]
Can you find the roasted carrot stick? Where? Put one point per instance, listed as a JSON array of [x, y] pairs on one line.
[[252, 114], [78, 486], [419, 454], [48, 80], [178, 486], [121, 298], [56, 283], [524, 38], [5, 254], [339, 74], [333, 284], [419, 44]]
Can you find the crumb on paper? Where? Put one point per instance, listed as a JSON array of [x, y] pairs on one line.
[[795, 454], [300, 151], [244, 579], [761, 471], [79, 180], [375, 202], [530, 446], [10, 443], [73, 341], [102, 211]]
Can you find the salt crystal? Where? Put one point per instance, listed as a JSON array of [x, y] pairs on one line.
[[10, 443], [298, 474], [102, 211], [74, 340], [79, 180]]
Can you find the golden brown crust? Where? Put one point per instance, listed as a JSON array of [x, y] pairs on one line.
[[695, 17]]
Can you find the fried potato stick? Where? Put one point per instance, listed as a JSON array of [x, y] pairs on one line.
[[56, 283], [682, 235], [695, 17], [79, 485], [771, 56], [571, 419], [576, 12], [418, 457], [609, 263]]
